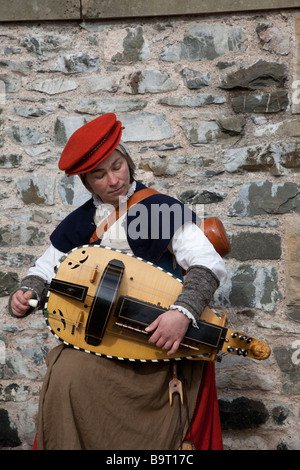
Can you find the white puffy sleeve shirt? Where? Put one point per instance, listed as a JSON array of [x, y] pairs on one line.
[[189, 246]]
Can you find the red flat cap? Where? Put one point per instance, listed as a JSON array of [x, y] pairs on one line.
[[91, 144]]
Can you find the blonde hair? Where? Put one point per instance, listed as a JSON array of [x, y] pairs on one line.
[[123, 149]]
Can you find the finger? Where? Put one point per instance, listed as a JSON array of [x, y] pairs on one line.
[[154, 337], [19, 304], [152, 325], [29, 299], [21, 298], [168, 345], [161, 343], [174, 348], [28, 294], [18, 311]]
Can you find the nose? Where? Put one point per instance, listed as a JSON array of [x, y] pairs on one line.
[[112, 179]]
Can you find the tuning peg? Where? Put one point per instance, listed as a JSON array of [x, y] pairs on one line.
[[242, 338], [241, 352], [33, 303]]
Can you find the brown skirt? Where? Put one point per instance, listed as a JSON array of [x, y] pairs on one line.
[[93, 403]]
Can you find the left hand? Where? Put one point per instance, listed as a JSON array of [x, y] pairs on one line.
[[169, 329]]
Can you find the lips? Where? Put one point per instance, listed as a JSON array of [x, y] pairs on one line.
[[117, 191]]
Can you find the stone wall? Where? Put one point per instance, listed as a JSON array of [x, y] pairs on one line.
[[209, 105], [86, 10]]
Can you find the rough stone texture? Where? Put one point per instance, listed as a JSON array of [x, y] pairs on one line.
[[9, 432], [260, 75], [205, 42], [262, 246], [148, 127], [64, 128], [38, 189], [292, 230], [272, 38], [111, 105], [226, 132], [26, 136], [195, 79], [133, 47], [266, 198], [250, 287], [209, 109], [150, 81], [242, 413], [53, 86], [43, 10], [278, 158], [289, 367], [94, 9], [200, 197], [76, 63], [265, 103]]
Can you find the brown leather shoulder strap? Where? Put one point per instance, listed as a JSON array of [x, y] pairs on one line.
[[140, 195], [212, 227], [137, 197]]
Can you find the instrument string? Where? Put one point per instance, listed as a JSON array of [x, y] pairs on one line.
[[72, 321], [128, 328], [69, 321]]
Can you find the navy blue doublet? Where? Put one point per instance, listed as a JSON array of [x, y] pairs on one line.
[[150, 224]]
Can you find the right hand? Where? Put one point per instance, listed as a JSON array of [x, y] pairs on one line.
[[168, 330], [19, 302]]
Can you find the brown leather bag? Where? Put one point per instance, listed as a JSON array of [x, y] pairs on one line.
[[214, 230], [212, 227]]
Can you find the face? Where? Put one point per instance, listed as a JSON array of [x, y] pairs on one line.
[[110, 180]]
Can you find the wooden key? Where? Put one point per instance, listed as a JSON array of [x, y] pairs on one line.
[[175, 385], [94, 275]]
